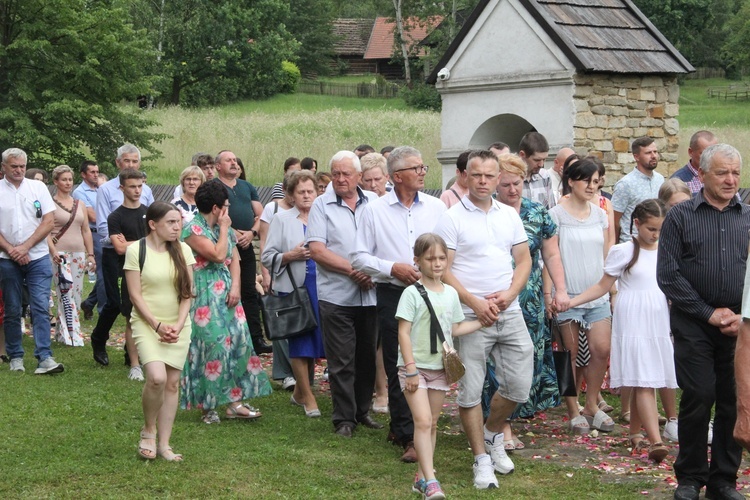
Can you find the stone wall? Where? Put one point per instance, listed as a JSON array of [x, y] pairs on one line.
[[612, 110]]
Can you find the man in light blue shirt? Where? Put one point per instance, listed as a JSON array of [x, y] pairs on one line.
[[108, 198], [642, 183], [86, 192]]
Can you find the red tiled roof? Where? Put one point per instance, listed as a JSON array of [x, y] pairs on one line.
[[381, 44]]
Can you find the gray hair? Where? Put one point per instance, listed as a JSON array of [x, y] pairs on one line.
[[14, 153], [59, 170], [126, 149], [398, 156], [192, 170], [725, 150], [341, 155], [374, 160]]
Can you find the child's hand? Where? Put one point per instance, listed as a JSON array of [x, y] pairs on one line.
[[412, 384]]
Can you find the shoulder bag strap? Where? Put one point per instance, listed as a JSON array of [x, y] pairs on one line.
[[435, 330], [141, 253], [60, 233]]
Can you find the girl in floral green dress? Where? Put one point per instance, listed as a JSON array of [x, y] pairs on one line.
[[221, 367]]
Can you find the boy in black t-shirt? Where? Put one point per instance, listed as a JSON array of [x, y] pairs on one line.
[[127, 224]]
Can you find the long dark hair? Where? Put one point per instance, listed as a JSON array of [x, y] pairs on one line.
[[182, 283], [642, 212]]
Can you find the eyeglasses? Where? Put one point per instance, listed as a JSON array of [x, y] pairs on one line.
[[419, 169]]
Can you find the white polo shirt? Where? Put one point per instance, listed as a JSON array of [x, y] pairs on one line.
[[18, 219], [483, 262], [387, 233]]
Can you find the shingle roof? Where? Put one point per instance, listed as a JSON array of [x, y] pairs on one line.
[[381, 44], [596, 35], [351, 36]]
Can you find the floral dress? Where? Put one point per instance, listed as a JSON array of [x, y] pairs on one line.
[[544, 394], [221, 365]]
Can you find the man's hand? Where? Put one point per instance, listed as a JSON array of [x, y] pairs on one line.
[[244, 238], [19, 252], [405, 273], [726, 321], [502, 299], [363, 280], [485, 310]]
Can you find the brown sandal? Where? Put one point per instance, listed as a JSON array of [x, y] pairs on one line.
[[169, 456], [657, 452]]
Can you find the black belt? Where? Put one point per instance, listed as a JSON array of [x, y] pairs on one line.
[[390, 286]]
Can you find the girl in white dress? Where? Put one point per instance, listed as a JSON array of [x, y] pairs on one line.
[[642, 355]]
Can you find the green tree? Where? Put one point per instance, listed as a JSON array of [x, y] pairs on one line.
[[309, 23], [66, 66], [213, 52], [736, 50]]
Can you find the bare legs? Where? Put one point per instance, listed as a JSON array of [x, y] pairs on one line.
[[381, 381], [130, 345], [425, 406], [302, 391], [159, 400]]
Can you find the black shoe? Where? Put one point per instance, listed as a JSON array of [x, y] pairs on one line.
[[370, 422], [344, 430], [261, 347], [88, 312], [101, 357], [393, 439], [687, 492], [723, 492]]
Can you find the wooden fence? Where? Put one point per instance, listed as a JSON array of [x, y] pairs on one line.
[[739, 91], [387, 90]]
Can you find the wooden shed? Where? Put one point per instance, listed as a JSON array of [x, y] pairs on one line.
[[352, 37], [588, 74]]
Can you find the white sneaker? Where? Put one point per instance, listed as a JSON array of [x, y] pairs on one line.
[[670, 431], [710, 431], [288, 383], [496, 450], [49, 366], [16, 365], [136, 373], [484, 476], [325, 375]]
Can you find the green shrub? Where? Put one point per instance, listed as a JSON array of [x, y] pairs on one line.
[[290, 77], [422, 96]]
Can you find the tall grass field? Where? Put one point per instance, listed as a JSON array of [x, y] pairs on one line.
[[264, 133]]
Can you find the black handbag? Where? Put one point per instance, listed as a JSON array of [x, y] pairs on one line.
[[290, 315], [566, 383]]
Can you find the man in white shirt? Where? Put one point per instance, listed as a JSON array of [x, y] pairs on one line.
[[384, 249], [485, 239], [27, 218]]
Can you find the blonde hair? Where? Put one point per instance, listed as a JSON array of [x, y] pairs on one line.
[[192, 170], [374, 160], [512, 164], [59, 170], [670, 187], [427, 242]]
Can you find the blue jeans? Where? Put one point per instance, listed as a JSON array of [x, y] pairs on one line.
[[38, 276], [98, 296]]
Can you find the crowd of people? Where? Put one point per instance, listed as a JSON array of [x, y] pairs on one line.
[[644, 288]]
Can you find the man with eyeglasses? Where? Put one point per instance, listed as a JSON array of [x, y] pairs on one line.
[[384, 249], [27, 218], [346, 297]]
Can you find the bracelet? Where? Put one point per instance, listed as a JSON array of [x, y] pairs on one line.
[[157, 327], [90, 255], [409, 364], [412, 374]]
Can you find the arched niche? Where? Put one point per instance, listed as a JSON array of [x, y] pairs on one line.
[[507, 127]]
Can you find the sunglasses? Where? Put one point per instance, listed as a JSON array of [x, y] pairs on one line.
[[38, 207]]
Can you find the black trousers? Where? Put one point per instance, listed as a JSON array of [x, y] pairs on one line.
[[108, 315], [248, 294], [349, 336], [402, 425], [704, 362]]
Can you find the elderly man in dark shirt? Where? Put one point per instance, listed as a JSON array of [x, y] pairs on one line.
[[701, 265]]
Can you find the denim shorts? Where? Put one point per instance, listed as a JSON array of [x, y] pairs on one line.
[[586, 316], [428, 379]]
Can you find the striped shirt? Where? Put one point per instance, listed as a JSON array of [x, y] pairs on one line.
[[702, 254]]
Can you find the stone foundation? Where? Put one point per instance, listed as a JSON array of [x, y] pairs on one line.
[[612, 110]]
